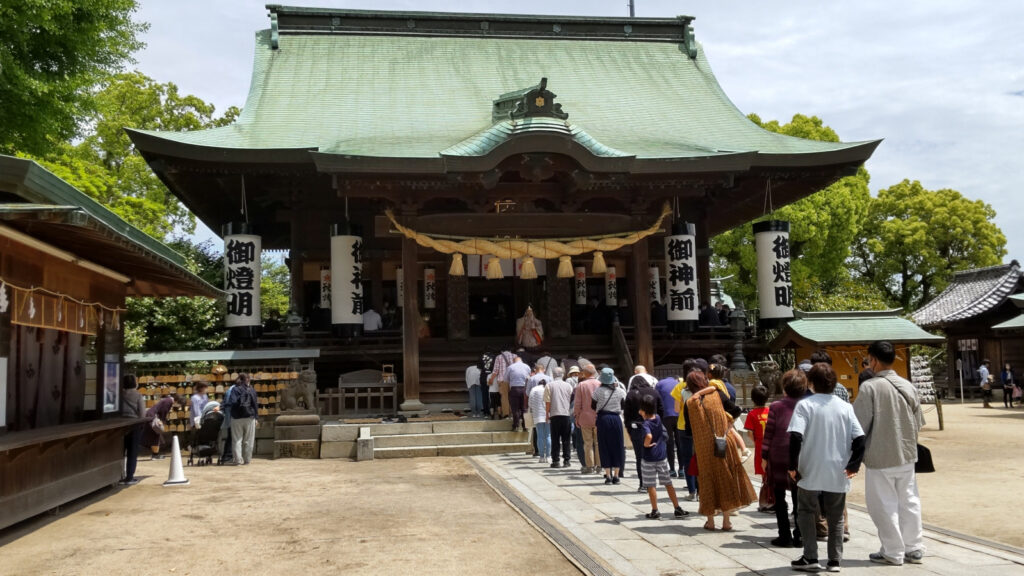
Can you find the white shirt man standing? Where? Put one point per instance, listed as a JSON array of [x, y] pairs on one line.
[[558, 399], [889, 411]]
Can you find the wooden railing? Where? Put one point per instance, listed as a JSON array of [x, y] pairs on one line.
[[621, 347]]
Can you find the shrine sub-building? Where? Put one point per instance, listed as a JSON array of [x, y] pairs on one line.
[[510, 136]]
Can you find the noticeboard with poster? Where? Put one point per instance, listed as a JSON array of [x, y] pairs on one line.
[[111, 384]]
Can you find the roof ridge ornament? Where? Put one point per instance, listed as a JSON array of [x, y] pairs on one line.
[[536, 101]]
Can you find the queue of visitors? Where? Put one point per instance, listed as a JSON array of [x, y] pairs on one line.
[[808, 444]]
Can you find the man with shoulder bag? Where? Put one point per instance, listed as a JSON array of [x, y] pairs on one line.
[[889, 411], [244, 407]]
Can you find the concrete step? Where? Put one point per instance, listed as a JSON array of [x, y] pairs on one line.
[[455, 450], [449, 439], [338, 432]]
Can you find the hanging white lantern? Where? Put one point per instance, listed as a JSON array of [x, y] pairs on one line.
[[242, 273], [774, 285], [580, 285], [346, 281], [400, 287], [654, 284], [681, 291], [325, 287], [429, 288], [611, 287]]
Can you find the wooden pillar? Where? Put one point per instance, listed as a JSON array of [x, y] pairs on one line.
[[296, 260], [641, 297], [410, 328], [558, 324], [703, 261], [457, 307]]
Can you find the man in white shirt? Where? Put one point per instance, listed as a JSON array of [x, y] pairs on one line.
[[826, 446], [372, 321]]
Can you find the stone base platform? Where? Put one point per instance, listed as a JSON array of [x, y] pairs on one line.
[[415, 439]]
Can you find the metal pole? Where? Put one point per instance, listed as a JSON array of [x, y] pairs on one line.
[[960, 368], [632, 9]]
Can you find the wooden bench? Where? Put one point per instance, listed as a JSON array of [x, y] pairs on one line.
[[360, 393]]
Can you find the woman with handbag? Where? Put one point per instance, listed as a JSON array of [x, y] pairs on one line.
[[724, 485], [775, 454], [611, 444]]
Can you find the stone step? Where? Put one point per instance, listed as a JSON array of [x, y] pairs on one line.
[[454, 450], [338, 432], [449, 439]]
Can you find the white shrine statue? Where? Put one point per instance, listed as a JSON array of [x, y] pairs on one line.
[[529, 330]]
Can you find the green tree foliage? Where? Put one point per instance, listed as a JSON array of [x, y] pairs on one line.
[[914, 239], [52, 55], [105, 165], [823, 227], [159, 324], [275, 287]]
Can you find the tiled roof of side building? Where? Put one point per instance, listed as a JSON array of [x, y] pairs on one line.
[[970, 294], [368, 92]]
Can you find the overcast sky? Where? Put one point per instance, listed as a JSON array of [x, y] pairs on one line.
[[941, 82]]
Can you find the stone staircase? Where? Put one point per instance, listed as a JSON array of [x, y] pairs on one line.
[[443, 364], [416, 439]]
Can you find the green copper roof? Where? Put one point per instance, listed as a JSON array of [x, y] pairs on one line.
[[1017, 322], [418, 96], [821, 328], [49, 209]]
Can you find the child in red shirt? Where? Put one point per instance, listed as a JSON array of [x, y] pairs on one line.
[[756, 421]]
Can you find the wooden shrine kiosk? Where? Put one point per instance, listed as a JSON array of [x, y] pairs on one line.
[[846, 337], [66, 266], [524, 160], [979, 312]]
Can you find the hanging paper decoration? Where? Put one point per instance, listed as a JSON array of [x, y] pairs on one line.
[[681, 270], [774, 285], [580, 285], [4, 302], [611, 287], [242, 273], [400, 286], [325, 287], [429, 288], [654, 284], [346, 281]]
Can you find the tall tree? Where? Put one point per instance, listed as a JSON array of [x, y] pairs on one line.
[[823, 227], [159, 324], [914, 240], [105, 165], [52, 54]]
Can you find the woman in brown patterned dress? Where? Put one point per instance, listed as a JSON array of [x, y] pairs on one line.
[[724, 485]]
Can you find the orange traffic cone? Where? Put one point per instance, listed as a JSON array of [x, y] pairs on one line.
[[176, 476]]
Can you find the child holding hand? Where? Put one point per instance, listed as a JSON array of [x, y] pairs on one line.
[[654, 467]]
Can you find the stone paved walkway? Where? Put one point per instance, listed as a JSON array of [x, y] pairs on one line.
[[609, 522]]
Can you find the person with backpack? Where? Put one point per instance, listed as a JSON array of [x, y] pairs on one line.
[[243, 407]]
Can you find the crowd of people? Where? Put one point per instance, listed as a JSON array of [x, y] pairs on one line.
[[233, 437], [808, 444]]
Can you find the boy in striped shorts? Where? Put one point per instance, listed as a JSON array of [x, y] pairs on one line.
[[654, 467]]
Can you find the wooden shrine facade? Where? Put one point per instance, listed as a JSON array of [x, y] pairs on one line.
[[499, 126]]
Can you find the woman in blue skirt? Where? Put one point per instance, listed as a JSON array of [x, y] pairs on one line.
[[607, 400]]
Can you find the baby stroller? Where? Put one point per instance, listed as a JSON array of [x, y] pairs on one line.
[[204, 444]]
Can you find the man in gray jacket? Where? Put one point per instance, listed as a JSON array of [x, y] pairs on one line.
[[889, 411]]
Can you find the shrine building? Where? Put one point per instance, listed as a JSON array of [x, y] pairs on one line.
[[467, 166]]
